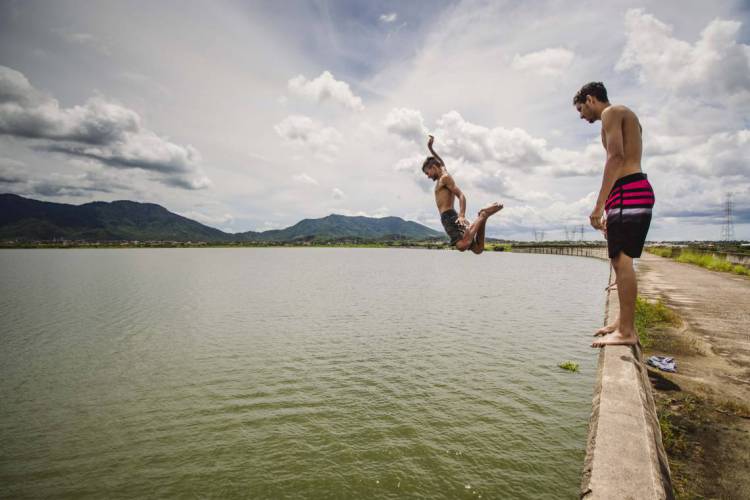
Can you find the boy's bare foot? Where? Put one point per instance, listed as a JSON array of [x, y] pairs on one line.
[[491, 209], [616, 338], [605, 330]]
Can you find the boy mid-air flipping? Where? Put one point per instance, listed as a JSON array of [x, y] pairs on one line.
[[463, 235]]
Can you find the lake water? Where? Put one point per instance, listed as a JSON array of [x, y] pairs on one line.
[[295, 373]]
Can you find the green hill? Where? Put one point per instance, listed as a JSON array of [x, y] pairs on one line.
[[335, 227], [25, 219]]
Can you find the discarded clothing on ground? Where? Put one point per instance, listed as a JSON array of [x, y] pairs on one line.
[[663, 363]]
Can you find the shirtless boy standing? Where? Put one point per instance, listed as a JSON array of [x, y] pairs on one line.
[[463, 235], [623, 208]]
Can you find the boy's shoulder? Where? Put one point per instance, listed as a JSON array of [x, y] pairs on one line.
[[444, 181]]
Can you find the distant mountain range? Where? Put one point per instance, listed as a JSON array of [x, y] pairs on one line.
[[25, 219]]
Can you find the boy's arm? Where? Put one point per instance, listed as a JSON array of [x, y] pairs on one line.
[[612, 126], [429, 146], [451, 185]]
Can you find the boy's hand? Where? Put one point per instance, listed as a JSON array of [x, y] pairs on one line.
[[596, 218]]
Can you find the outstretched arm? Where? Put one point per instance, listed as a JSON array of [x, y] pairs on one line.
[[429, 146], [612, 125]]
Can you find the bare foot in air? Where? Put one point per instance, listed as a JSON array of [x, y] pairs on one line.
[[616, 338], [491, 209]]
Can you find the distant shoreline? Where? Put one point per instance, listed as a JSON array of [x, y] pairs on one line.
[[176, 244], [491, 245], [198, 244]]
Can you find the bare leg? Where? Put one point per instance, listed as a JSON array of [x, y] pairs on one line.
[[476, 229], [606, 330], [478, 246], [627, 290], [467, 241]]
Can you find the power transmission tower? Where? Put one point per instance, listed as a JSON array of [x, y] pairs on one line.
[[581, 228], [727, 229]]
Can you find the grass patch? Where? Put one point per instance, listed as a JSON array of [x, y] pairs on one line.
[[693, 433], [712, 262], [700, 258], [569, 365], [682, 419], [500, 247], [734, 408], [652, 314], [661, 251]]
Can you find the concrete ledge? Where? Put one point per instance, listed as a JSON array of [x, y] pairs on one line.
[[625, 458]]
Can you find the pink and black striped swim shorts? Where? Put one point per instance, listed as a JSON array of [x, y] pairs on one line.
[[629, 207]]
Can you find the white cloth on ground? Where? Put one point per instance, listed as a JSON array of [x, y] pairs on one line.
[[663, 363]]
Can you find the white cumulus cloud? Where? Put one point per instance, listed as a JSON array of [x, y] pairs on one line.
[[410, 164], [326, 88], [303, 131], [407, 124], [99, 130], [483, 157], [715, 64], [477, 143], [722, 154]]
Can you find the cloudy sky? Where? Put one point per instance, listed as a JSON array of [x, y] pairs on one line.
[[254, 115]]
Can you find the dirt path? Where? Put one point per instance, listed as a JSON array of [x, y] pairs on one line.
[[712, 349]]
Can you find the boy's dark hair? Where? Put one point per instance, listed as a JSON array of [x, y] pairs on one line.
[[430, 161], [593, 89]]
